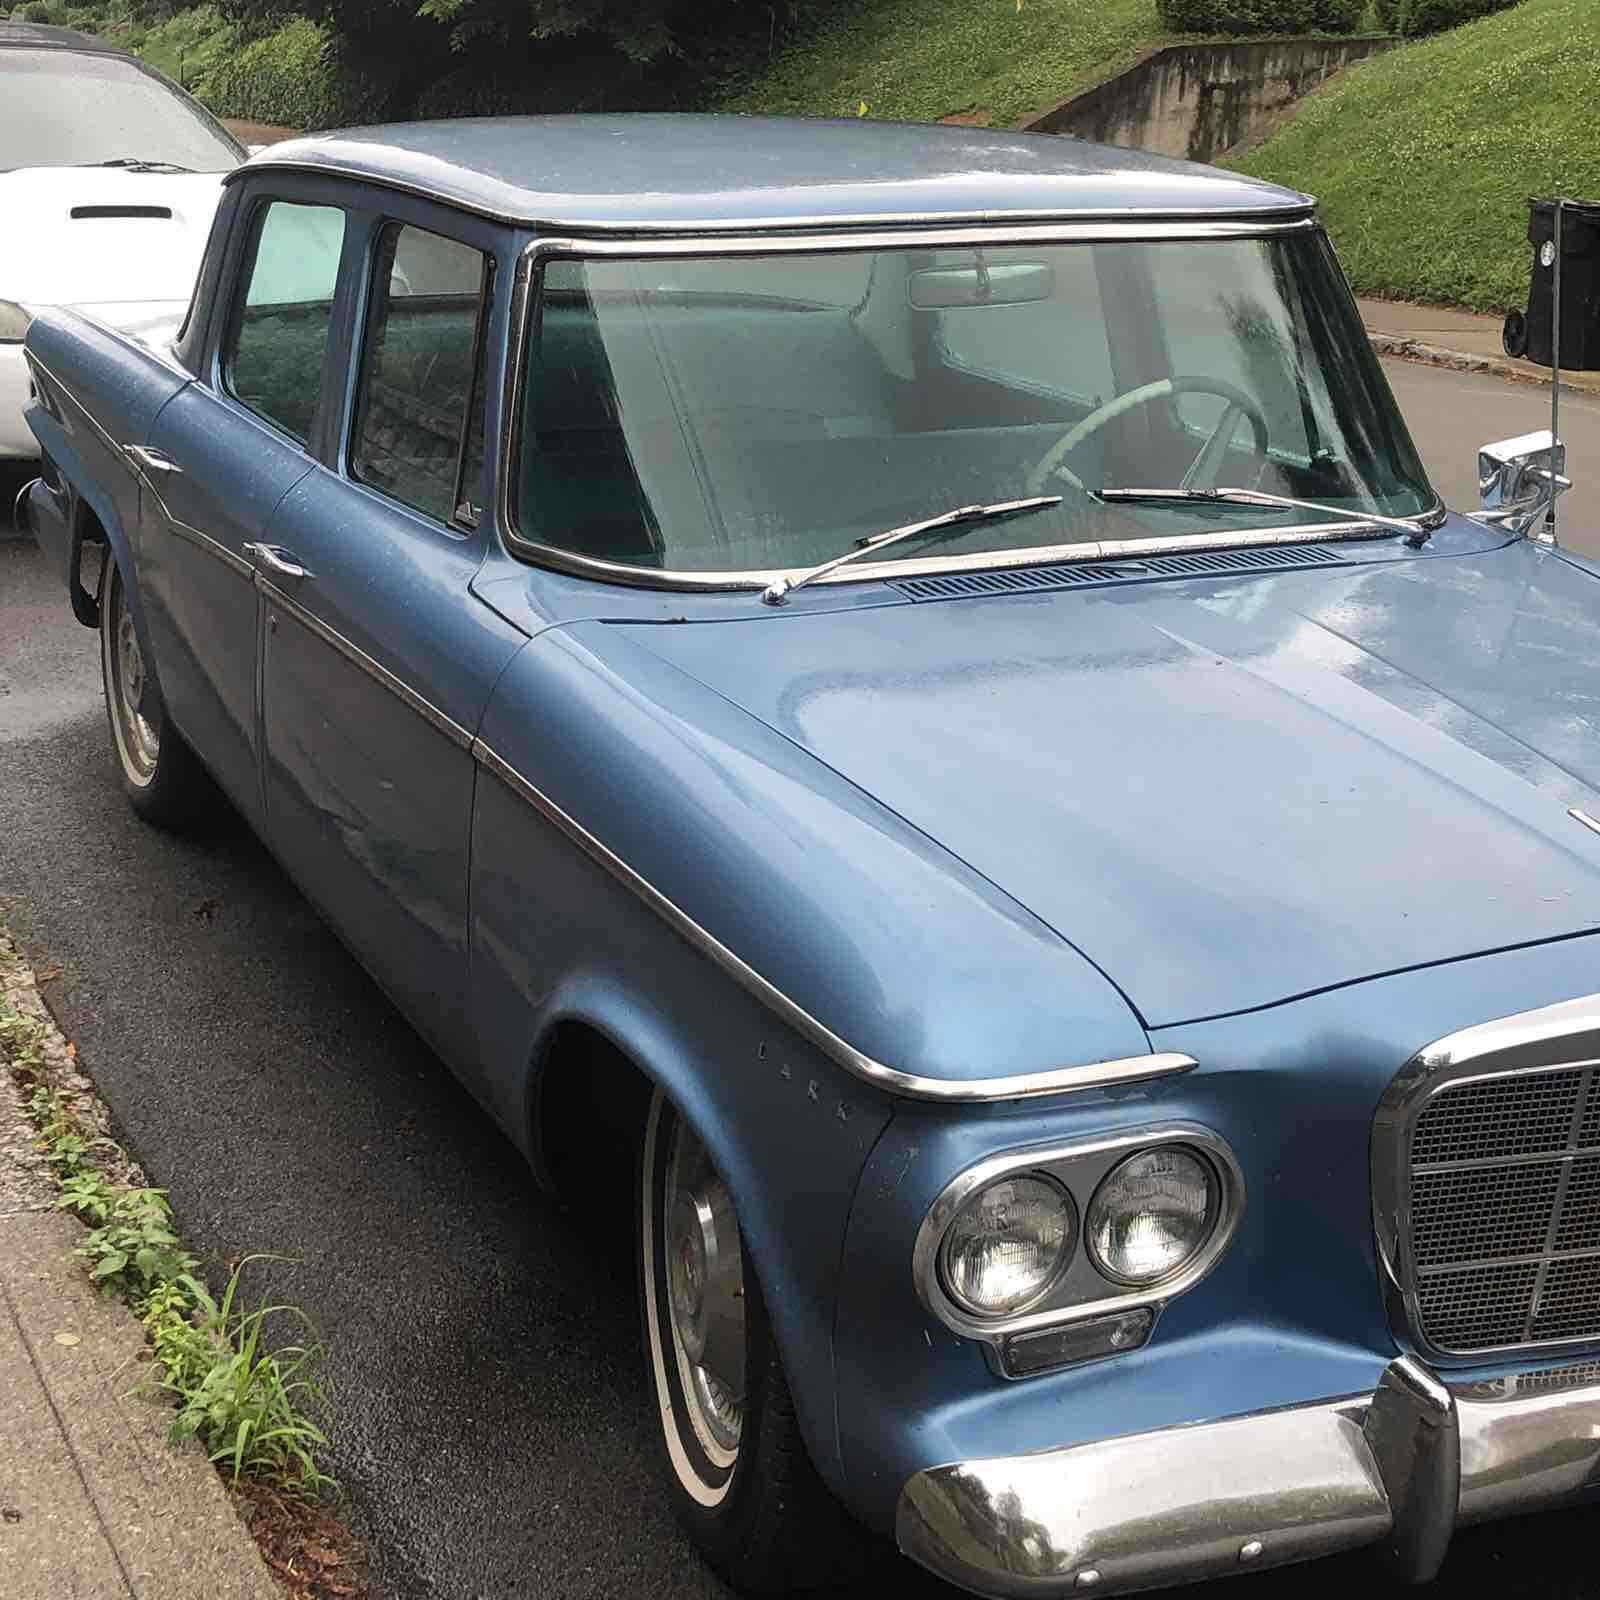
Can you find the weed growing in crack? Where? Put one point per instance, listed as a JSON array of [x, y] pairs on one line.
[[250, 1406], [134, 1249]]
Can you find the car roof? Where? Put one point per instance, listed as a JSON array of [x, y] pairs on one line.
[[40, 36], [687, 173]]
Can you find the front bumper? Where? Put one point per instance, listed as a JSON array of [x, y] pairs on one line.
[[1403, 1467]]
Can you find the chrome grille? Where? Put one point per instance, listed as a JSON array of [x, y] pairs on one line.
[[1504, 1181]]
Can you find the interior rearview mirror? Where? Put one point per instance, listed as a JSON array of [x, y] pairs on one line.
[[1006, 283], [1519, 478]]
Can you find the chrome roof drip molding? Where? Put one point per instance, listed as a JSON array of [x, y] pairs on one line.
[[890, 1080], [757, 579], [694, 231]]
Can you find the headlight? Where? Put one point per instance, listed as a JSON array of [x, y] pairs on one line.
[[1152, 1214], [1008, 1244], [13, 322]]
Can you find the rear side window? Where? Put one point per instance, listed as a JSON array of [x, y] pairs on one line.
[[418, 432], [279, 337]]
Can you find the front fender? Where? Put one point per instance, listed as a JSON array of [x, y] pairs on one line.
[[556, 939]]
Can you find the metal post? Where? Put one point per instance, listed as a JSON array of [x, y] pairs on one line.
[[1549, 534]]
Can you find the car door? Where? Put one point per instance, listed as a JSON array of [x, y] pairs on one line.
[[377, 661], [219, 459]]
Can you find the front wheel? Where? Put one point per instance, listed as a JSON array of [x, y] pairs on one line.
[[738, 1474], [162, 779]]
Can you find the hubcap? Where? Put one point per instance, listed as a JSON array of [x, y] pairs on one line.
[[140, 741], [705, 1294]]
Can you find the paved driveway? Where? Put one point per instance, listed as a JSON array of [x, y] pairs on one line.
[[491, 1418]]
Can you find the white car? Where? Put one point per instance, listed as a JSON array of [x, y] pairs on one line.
[[109, 175]]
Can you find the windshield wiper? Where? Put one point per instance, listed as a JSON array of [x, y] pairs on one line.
[[776, 593], [137, 164], [1417, 534]]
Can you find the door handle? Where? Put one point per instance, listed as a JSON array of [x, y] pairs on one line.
[[148, 460], [275, 559]]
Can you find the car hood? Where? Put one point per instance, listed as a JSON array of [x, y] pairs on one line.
[[1224, 793], [91, 235]]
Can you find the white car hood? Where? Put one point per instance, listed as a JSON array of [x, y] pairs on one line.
[[102, 255]]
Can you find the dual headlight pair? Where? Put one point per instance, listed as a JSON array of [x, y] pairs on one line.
[[1014, 1238]]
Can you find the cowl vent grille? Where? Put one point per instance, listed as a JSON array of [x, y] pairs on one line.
[[1197, 564]]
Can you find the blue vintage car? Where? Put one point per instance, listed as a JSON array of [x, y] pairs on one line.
[[902, 694]]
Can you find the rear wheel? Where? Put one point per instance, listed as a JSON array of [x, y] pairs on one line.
[[740, 1479], [162, 779]]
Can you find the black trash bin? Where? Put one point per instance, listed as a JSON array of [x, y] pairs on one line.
[[1533, 335]]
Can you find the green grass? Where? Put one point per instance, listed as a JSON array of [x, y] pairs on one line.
[[1423, 159], [919, 60]]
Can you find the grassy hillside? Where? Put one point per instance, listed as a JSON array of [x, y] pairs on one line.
[[919, 60], [1424, 158]]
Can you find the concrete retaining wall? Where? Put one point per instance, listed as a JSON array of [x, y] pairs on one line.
[[1198, 100]]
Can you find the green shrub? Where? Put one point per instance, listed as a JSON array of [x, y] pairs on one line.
[[1261, 16], [1413, 17], [285, 77], [187, 46]]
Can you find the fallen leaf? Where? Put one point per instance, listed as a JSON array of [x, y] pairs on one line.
[[322, 1555], [68, 1339]]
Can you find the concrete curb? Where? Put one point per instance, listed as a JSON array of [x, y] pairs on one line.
[[1433, 355], [94, 1500]]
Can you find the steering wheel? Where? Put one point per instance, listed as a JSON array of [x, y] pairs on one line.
[[1205, 463]]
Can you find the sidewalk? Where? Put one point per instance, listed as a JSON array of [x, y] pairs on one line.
[[94, 1503], [1459, 339]]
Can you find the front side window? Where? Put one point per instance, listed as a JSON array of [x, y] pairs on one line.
[[63, 108], [279, 334], [751, 413], [418, 433]]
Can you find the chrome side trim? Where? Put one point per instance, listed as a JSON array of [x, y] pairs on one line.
[[1081, 1292], [1565, 1035], [666, 578], [94, 422], [203, 541], [906, 1085], [1273, 218], [358, 657], [1577, 815], [131, 457], [1261, 1489]]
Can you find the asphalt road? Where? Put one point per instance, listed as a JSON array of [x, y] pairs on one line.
[[491, 1420]]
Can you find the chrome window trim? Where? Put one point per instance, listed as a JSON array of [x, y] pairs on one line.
[[575, 246], [891, 1080], [357, 657], [1078, 1166], [1564, 1036]]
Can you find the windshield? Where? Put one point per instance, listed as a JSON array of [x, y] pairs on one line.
[[768, 412], [59, 108]]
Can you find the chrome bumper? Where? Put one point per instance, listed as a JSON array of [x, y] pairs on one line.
[[1404, 1467]]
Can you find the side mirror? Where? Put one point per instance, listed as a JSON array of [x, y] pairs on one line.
[[1519, 479]]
